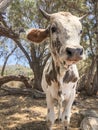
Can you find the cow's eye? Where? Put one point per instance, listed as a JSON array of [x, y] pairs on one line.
[[53, 29], [80, 31]]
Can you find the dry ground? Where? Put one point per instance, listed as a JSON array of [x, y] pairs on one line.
[[25, 113]]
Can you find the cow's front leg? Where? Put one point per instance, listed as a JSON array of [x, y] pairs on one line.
[[60, 110], [67, 110], [59, 117], [50, 111]]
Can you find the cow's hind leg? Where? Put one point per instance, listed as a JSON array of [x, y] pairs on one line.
[[50, 111], [67, 110]]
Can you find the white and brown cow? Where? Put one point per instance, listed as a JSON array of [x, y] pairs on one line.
[[60, 75]]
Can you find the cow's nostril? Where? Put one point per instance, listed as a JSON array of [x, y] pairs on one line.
[[81, 51], [68, 51]]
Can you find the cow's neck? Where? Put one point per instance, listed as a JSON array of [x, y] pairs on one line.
[[59, 67]]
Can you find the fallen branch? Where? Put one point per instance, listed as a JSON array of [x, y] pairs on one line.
[[4, 4], [18, 91], [5, 79]]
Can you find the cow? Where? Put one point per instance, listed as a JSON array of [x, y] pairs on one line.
[[60, 74]]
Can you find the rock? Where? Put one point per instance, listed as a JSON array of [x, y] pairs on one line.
[[89, 113], [89, 123]]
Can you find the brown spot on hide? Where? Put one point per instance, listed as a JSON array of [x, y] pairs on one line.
[[56, 45], [51, 75], [66, 128], [59, 93], [37, 35], [48, 78], [48, 110], [58, 69], [70, 77], [65, 117]]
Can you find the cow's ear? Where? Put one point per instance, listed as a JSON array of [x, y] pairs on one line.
[[37, 35]]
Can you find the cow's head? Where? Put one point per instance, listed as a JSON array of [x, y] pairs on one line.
[[64, 30]]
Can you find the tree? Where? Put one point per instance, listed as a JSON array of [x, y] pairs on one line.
[[91, 84], [22, 13], [35, 56]]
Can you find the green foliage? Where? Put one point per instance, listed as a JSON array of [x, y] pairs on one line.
[[21, 13]]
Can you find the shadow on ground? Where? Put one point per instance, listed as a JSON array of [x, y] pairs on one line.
[[25, 113]]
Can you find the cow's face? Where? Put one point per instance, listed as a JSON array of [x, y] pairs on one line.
[[64, 31]]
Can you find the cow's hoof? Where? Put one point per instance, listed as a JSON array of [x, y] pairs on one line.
[[58, 120], [66, 128]]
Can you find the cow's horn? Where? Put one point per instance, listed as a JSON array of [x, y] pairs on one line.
[[45, 14], [84, 16]]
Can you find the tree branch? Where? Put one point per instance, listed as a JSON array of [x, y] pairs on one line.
[[8, 32], [5, 79], [5, 62], [4, 4], [22, 49], [18, 91]]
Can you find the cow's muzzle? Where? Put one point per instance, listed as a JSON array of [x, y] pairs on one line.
[[74, 54]]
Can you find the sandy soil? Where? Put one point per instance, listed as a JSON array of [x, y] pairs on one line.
[[25, 113]]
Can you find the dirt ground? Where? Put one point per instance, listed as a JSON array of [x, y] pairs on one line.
[[25, 113]]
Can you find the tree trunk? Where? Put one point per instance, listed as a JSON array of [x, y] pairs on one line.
[[37, 79], [95, 80], [96, 76], [36, 67], [90, 77], [91, 84], [38, 70]]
